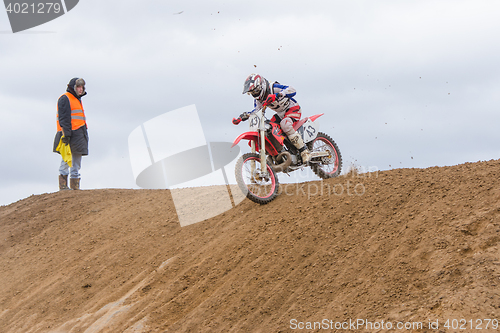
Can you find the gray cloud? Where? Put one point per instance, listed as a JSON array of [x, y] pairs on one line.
[[395, 80]]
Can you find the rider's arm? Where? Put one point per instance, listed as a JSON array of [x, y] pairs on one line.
[[284, 91], [257, 105]]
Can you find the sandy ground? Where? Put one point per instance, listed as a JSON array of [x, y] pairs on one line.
[[413, 248]]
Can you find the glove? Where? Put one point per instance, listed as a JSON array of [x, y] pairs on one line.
[[244, 116], [270, 99], [65, 139]]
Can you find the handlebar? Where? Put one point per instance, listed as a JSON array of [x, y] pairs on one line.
[[237, 121]]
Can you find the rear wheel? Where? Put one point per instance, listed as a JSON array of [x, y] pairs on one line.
[[259, 187], [328, 166]]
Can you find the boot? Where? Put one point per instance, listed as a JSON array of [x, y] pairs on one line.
[[63, 182], [299, 144], [74, 183]]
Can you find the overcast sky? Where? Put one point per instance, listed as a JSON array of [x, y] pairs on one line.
[[402, 83]]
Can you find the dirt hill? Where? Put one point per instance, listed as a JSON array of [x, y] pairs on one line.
[[405, 248]]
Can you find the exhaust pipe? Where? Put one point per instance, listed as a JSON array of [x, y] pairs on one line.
[[285, 164]]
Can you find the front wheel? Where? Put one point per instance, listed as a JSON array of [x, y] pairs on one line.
[[327, 166], [259, 187]]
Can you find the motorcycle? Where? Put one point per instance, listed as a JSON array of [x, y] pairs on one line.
[[272, 152]]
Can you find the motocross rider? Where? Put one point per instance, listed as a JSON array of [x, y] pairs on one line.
[[279, 98]]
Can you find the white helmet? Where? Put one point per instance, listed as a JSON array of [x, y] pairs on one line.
[[257, 86]]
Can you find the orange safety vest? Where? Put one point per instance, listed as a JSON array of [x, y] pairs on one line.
[[77, 113]]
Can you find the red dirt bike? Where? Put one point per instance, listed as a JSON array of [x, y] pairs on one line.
[[272, 152]]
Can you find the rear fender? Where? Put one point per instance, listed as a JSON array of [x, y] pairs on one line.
[[309, 129], [301, 122], [316, 116]]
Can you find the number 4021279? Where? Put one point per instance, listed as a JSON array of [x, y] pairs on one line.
[[477, 324], [39, 8]]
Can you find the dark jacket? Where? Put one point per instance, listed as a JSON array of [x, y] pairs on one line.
[[79, 138]]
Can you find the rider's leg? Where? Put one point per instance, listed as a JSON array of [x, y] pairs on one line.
[[287, 127]]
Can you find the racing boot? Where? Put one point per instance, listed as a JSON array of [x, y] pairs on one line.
[[74, 183], [63, 182], [299, 144]]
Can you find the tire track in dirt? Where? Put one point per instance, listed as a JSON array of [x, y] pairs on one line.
[[409, 245]]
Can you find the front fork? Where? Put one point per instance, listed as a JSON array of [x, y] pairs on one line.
[[262, 148], [263, 162], [252, 163], [263, 167]]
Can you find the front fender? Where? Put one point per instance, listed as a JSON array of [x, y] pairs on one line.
[[254, 136], [251, 136]]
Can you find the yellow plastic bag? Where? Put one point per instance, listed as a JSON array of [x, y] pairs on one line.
[[65, 151]]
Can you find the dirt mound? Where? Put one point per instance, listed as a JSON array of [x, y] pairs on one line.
[[401, 247]]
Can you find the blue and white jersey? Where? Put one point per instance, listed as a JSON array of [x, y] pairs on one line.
[[283, 103]]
